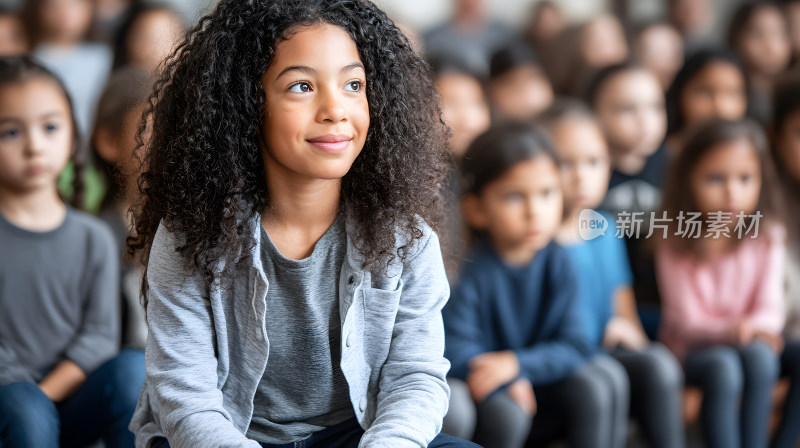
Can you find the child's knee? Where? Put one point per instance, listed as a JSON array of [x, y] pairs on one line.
[[723, 372], [123, 377], [760, 363], [461, 416], [27, 416]]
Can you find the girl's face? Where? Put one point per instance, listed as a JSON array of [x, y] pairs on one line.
[[603, 42], [788, 145], [521, 210], [727, 179], [317, 116], [630, 110], [660, 49], [764, 43], [13, 41], [585, 164], [65, 21], [153, 37], [464, 109], [716, 91], [119, 149], [35, 135], [521, 93]]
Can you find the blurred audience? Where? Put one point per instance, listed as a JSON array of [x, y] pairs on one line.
[[759, 34], [659, 48], [13, 37], [518, 88], [469, 38], [605, 283], [147, 37], [711, 84]]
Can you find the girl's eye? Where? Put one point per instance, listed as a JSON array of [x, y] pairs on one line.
[[300, 87], [51, 128], [353, 86], [9, 133], [745, 178], [513, 197], [716, 179]]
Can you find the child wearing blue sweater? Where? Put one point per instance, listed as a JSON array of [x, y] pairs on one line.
[[514, 334], [607, 301]]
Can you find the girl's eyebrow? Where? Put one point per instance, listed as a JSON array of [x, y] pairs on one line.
[[311, 71], [4, 120]]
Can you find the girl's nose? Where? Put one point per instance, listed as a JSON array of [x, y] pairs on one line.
[[34, 143], [331, 109]]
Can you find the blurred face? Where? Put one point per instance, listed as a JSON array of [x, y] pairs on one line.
[[630, 109], [660, 50], [585, 163], [35, 135], [689, 16], [788, 145], [13, 41], [727, 179], [66, 21], [464, 109], [603, 42], [764, 43], [521, 93], [793, 16], [153, 37], [520, 211], [546, 23], [716, 91], [317, 116]]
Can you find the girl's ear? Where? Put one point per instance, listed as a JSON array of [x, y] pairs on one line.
[[473, 212], [105, 144]]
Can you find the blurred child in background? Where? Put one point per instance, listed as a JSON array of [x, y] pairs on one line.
[[147, 37], [109, 16], [759, 34], [693, 19], [13, 38], [786, 155], [466, 112], [514, 334], [659, 48], [518, 88], [114, 140], [791, 9], [629, 105], [62, 381], [605, 282], [59, 32], [721, 279], [711, 84]]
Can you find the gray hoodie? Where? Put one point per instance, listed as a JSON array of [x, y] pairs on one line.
[[207, 347]]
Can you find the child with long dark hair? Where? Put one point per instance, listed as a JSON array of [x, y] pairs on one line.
[[294, 282], [720, 271], [63, 381]]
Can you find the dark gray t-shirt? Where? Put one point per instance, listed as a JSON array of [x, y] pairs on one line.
[[303, 389], [59, 297]]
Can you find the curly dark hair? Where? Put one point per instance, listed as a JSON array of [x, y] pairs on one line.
[[202, 171]]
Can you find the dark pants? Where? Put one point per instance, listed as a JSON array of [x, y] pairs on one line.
[[344, 435], [100, 409], [656, 381], [737, 393], [788, 432]]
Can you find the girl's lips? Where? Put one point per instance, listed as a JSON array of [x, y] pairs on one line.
[[332, 143], [332, 147]]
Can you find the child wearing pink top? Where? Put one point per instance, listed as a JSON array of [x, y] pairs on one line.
[[721, 280]]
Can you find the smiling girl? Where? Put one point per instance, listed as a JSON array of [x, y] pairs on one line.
[[294, 283]]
